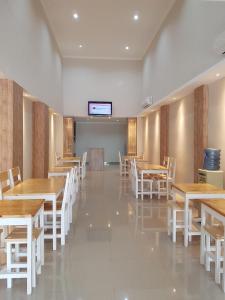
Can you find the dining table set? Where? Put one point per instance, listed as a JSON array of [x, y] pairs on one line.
[[32, 211], [184, 198]]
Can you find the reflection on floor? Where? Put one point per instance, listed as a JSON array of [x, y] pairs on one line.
[[111, 254]]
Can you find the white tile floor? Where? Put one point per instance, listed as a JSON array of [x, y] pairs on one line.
[[107, 257]]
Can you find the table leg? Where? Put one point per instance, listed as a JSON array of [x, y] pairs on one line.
[[223, 282], [29, 256], [42, 239], [142, 186], [54, 223], [186, 229]]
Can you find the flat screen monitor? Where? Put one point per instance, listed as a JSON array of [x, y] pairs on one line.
[[99, 108]]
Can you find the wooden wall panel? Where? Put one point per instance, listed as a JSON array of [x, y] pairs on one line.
[[200, 127], [164, 132], [132, 136], [40, 140], [11, 125], [68, 136]]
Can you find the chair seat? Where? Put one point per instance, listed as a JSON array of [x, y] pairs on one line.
[[20, 235], [216, 231], [48, 205]]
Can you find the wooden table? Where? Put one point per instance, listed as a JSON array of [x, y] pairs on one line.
[[147, 168], [35, 188], [216, 209], [192, 191], [22, 213], [59, 171], [72, 159]]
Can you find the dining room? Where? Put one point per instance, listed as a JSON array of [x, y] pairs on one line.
[[112, 149]]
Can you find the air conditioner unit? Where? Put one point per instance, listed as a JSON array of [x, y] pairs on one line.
[[219, 44], [147, 102]]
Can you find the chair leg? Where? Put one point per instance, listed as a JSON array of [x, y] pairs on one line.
[[34, 264], [62, 230], [169, 220], [207, 258], [9, 262], [190, 224], [217, 261], [174, 218]]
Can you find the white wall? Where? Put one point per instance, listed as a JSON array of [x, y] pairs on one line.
[[27, 138], [184, 46], [116, 81], [181, 137], [152, 137], [110, 136], [28, 53], [216, 124]]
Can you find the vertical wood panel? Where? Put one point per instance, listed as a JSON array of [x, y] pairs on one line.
[[132, 136], [164, 132], [11, 125], [200, 127], [68, 136], [40, 140]]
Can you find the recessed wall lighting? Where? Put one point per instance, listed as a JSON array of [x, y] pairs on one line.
[[76, 16], [218, 75], [127, 48], [136, 17]]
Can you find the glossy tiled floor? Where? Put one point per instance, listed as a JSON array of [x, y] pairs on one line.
[[109, 257]]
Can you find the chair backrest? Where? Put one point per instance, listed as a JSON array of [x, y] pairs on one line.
[[120, 159], [84, 158], [166, 161], [66, 194], [14, 176], [4, 183], [172, 168], [57, 159]]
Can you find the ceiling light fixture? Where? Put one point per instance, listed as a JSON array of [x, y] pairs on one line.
[[136, 17], [80, 46], [127, 48], [218, 75], [76, 16]]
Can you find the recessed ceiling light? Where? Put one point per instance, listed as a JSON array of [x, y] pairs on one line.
[[76, 16], [218, 75], [136, 17], [127, 48], [80, 46]]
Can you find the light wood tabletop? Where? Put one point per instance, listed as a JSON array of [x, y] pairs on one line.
[[37, 186], [197, 188], [60, 169], [148, 166], [218, 205], [71, 158], [20, 208]]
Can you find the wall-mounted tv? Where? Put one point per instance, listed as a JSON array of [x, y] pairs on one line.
[[99, 108]]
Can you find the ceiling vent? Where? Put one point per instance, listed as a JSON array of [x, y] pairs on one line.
[[219, 44], [147, 102]]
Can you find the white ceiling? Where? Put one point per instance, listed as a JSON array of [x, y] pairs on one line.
[[105, 27]]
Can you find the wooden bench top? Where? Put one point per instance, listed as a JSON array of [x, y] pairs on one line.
[[216, 204], [20, 208], [37, 186], [197, 188]]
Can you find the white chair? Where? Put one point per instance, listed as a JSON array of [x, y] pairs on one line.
[[123, 166], [175, 212], [213, 247], [14, 242], [62, 212], [161, 180], [147, 180], [14, 176], [83, 166]]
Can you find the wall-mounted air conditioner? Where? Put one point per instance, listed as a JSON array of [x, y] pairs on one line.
[[147, 102], [219, 44]]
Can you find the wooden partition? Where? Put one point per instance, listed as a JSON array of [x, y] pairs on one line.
[[68, 136], [164, 132], [200, 127], [132, 136], [40, 140], [11, 125]]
